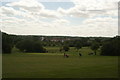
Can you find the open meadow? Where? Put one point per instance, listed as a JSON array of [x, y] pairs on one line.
[[54, 65]]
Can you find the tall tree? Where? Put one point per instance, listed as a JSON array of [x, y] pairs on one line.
[[95, 47], [7, 43], [78, 45]]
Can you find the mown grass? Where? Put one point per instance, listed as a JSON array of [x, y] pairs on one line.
[[84, 50], [54, 65]]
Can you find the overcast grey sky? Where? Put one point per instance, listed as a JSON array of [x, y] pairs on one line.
[[62, 18]]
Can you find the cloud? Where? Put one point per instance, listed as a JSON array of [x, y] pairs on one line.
[[33, 7], [28, 9], [96, 4], [101, 26], [29, 5], [30, 17], [47, 14], [9, 11], [100, 20], [82, 8], [91, 8], [97, 7], [61, 11], [61, 21], [75, 12]]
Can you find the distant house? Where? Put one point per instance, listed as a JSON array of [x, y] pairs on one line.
[[91, 39], [55, 39], [59, 39]]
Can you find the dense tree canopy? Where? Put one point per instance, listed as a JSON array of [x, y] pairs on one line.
[[25, 43], [30, 46], [111, 47], [7, 43]]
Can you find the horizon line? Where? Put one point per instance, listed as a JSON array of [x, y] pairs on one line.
[[53, 35]]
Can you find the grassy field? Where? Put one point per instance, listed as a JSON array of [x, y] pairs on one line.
[[54, 65]]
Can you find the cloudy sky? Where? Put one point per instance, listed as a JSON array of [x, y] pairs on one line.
[[61, 18]]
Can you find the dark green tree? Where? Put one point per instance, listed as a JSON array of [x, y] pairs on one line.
[[30, 46], [78, 45], [95, 47], [65, 48], [7, 43], [111, 47]]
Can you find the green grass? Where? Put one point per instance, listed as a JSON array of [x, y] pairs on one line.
[[49, 65], [53, 49], [84, 50]]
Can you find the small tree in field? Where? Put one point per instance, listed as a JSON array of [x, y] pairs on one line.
[[78, 45], [95, 47], [66, 48]]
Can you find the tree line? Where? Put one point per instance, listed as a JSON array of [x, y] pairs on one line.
[[108, 46]]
